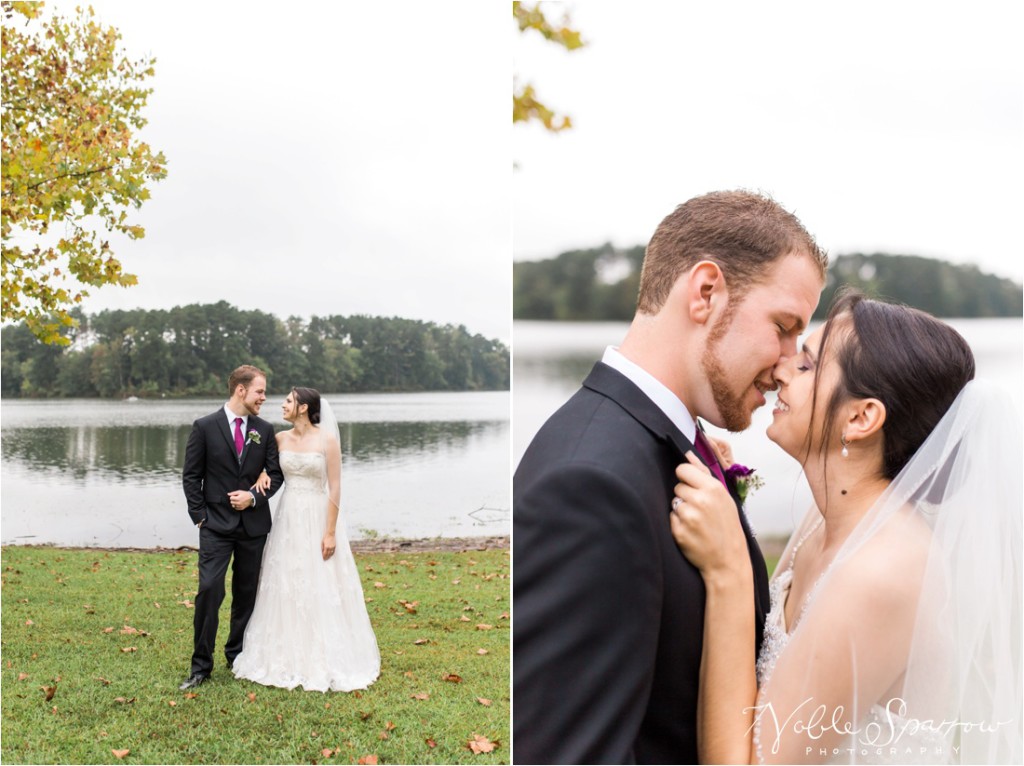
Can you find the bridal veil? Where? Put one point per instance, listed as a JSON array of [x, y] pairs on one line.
[[908, 648]]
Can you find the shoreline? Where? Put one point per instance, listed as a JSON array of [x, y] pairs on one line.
[[368, 545], [771, 545]]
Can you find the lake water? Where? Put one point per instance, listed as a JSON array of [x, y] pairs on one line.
[[550, 359], [108, 473]]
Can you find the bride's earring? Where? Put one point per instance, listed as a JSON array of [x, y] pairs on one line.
[[845, 452]]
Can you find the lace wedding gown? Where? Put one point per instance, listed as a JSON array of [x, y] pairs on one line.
[[883, 736], [309, 627]]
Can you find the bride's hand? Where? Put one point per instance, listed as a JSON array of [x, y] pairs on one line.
[[704, 521], [723, 450], [327, 546], [262, 483]]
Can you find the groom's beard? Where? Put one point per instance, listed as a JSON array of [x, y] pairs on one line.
[[735, 415]]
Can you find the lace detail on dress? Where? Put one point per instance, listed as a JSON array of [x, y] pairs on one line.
[[884, 735], [304, 471]]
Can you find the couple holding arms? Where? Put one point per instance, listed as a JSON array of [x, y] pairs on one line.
[[296, 598], [645, 625]]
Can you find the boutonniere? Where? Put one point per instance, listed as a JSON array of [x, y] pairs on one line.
[[253, 436], [744, 480]]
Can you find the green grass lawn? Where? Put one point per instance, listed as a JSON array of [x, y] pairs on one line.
[[95, 644]]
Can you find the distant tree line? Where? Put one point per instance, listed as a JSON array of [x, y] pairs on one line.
[[601, 284], [191, 350]]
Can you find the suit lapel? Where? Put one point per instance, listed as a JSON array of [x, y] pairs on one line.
[[225, 430], [621, 390], [254, 422], [617, 387]]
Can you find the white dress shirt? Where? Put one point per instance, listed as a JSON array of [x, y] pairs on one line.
[[232, 417]]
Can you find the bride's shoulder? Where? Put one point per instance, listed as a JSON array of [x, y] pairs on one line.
[[889, 565]]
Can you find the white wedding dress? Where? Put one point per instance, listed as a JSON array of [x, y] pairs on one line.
[[883, 735], [309, 627]]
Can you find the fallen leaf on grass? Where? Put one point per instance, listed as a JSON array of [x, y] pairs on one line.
[[190, 695], [431, 743], [22, 676], [327, 752], [455, 679], [108, 630], [421, 641], [482, 652], [484, 626], [49, 691], [483, 701], [379, 585], [172, 703], [29, 622], [127, 649], [422, 696], [382, 736], [120, 753], [124, 701], [464, 618], [103, 680], [369, 760], [480, 744], [187, 604], [251, 696], [389, 726]]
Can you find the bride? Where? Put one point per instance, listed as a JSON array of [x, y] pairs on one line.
[[894, 633], [309, 627]]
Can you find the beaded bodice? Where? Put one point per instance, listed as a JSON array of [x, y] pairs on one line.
[[303, 471]]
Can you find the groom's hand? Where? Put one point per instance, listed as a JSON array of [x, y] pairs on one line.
[[241, 499]]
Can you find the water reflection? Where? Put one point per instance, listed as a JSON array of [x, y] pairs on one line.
[[77, 472], [151, 455]]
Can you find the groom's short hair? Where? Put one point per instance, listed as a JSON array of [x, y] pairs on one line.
[[743, 232], [244, 376]]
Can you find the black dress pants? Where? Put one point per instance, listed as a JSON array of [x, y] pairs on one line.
[[215, 552]]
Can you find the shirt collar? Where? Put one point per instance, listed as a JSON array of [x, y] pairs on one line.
[[654, 390], [232, 416]]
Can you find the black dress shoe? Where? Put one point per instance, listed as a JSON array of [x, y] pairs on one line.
[[194, 680]]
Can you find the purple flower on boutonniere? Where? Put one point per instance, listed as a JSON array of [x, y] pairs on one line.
[[253, 436], [744, 480]]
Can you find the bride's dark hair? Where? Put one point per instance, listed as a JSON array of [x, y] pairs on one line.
[[311, 398], [907, 359]]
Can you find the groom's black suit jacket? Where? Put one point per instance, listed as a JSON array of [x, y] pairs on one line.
[[212, 469], [608, 622]]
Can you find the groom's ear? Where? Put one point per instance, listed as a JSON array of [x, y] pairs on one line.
[[705, 291]]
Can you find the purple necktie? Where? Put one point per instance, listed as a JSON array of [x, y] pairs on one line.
[[239, 441], [705, 451]]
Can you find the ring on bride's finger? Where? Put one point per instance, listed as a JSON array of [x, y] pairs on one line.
[[676, 502]]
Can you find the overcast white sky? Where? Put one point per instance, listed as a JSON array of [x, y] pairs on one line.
[[889, 126], [324, 158]]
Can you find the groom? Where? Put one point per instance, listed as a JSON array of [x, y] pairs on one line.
[[608, 623], [226, 452]]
